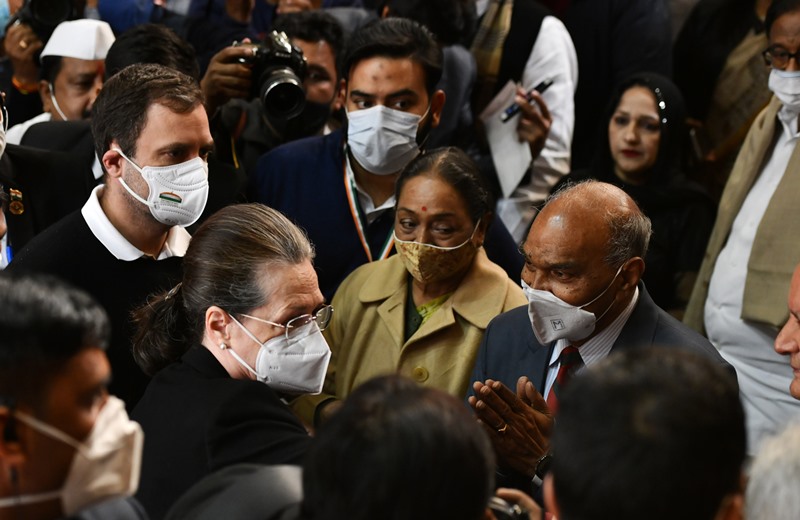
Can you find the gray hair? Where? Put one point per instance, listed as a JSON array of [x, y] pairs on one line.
[[772, 491], [223, 266], [629, 229]]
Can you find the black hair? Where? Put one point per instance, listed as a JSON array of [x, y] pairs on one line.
[[120, 110], [455, 167], [43, 323], [777, 9], [398, 451], [673, 142], [51, 66], [451, 21], [314, 26], [152, 43], [396, 38], [648, 433]]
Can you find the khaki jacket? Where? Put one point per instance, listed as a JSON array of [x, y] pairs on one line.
[[366, 331], [776, 248]]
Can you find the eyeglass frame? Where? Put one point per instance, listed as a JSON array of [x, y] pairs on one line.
[[288, 327], [789, 55]]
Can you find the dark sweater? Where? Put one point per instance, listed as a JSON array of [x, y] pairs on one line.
[[197, 419], [70, 251]]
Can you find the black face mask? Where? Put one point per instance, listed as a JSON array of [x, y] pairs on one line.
[[310, 122]]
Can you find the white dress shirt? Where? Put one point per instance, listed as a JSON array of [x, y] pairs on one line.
[[763, 374], [552, 57], [593, 350], [102, 228]]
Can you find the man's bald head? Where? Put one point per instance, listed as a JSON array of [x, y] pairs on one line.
[[601, 212], [586, 247]]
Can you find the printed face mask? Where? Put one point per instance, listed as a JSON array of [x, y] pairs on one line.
[[785, 84], [429, 263], [178, 193], [552, 318], [293, 366], [381, 139], [104, 466]]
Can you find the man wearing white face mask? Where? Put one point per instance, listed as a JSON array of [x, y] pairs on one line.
[[151, 134], [739, 299], [582, 276], [340, 187], [67, 448]]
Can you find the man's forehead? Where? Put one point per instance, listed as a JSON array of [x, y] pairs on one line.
[[566, 234], [75, 66], [403, 70]]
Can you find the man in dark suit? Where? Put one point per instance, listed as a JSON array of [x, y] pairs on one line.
[[582, 276]]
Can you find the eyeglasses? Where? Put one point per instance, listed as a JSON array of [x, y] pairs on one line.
[[296, 326], [778, 57]]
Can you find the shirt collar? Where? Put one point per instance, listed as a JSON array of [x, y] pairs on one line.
[[102, 228], [366, 202], [789, 118], [599, 346]]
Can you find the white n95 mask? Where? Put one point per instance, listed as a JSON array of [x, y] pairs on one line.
[[292, 366], [106, 465], [785, 84], [381, 139], [552, 318], [178, 193]]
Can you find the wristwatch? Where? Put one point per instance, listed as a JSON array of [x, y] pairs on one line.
[[542, 468]]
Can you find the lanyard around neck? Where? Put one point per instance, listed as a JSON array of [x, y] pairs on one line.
[[360, 220]]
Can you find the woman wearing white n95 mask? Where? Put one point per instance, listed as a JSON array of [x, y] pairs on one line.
[[240, 332]]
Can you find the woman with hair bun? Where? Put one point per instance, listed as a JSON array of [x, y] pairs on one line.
[[241, 330]]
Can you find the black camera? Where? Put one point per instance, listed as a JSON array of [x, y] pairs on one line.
[[278, 72], [43, 16], [502, 510]]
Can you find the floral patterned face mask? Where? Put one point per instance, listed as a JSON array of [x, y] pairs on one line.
[[429, 263]]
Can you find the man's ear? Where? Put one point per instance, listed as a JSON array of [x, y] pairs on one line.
[[549, 495], [341, 97], [732, 506], [437, 104], [12, 454], [632, 272], [113, 161], [44, 93]]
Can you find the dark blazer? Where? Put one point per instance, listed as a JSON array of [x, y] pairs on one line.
[[197, 419], [51, 186], [510, 349]]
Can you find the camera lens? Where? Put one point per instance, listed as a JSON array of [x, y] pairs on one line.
[[282, 93]]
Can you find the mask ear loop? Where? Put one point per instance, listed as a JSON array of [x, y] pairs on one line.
[[55, 103], [236, 356]]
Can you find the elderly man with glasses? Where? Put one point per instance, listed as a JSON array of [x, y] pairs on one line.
[[739, 298]]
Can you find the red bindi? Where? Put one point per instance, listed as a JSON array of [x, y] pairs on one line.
[[424, 208]]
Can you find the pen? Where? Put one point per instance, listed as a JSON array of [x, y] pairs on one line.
[[514, 108]]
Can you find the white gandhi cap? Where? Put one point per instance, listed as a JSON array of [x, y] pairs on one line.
[[82, 39]]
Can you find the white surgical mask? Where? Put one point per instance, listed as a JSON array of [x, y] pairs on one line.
[[552, 318], [381, 139], [785, 84], [106, 465], [296, 366], [178, 193]]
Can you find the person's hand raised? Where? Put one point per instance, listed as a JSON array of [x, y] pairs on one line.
[[519, 425], [534, 122]]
